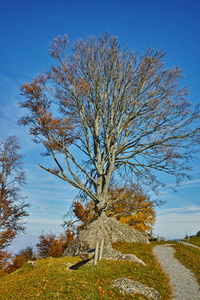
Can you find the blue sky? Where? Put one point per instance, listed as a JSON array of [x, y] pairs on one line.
[[26, 29]]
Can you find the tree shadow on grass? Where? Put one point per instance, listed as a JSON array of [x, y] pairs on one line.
[[79, 264]]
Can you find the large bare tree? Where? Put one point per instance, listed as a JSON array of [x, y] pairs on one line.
[[107, 109]]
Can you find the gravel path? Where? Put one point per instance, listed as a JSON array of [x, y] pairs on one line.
[[183, 283]]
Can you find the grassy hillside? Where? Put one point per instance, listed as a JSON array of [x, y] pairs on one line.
[[53, 278], [195, 241]]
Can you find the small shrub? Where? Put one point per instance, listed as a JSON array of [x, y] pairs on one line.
[[20, 259], [50, 245]]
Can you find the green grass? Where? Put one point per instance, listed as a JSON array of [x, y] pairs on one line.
[[154, 243], [195, 241], [52, 278]]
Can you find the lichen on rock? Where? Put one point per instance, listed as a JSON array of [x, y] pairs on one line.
[[129, 286]]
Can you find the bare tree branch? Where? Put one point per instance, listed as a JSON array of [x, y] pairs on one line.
[[120, 110]]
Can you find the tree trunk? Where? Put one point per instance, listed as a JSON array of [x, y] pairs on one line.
[[100, 209], [103, 214]]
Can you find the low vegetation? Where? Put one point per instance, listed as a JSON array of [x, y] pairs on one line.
[[195, 241], [67, 278], [52, 278]]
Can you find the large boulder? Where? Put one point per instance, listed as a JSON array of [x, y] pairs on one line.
[[108, 228], [128, 286]]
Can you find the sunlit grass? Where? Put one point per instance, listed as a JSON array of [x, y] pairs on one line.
[[52, 278], [195, 241], [155, 243]]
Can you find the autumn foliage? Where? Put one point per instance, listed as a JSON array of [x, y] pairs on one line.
[[50, 245], [129, 205], [84, 214], [18, 260], [56, 130], [12, 206]]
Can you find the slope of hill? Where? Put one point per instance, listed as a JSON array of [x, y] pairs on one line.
[[66, 278]]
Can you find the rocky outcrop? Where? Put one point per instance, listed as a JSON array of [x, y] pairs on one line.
[[108, 228], [112, 254], [128, 286]]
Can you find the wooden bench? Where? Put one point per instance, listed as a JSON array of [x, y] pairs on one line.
[[93, 253], [86, 255]]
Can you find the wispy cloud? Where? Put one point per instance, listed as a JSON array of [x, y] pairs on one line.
[[177, 210], [183, 185], [189, 183], [49, 221], [175, 222]]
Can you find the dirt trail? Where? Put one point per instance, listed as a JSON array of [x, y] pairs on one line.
[[183, 283]]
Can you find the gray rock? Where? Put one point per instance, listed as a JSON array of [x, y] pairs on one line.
[[73, 249], [128, 286], [108, 228], [111, 254], [31, 262]]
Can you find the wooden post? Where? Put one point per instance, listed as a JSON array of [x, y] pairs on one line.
[[96, 253], [101, 249]]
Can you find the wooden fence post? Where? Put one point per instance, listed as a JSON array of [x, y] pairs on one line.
[[96, 253], [101, 249]]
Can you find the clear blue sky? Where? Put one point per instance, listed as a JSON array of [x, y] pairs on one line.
[[26, 29]]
